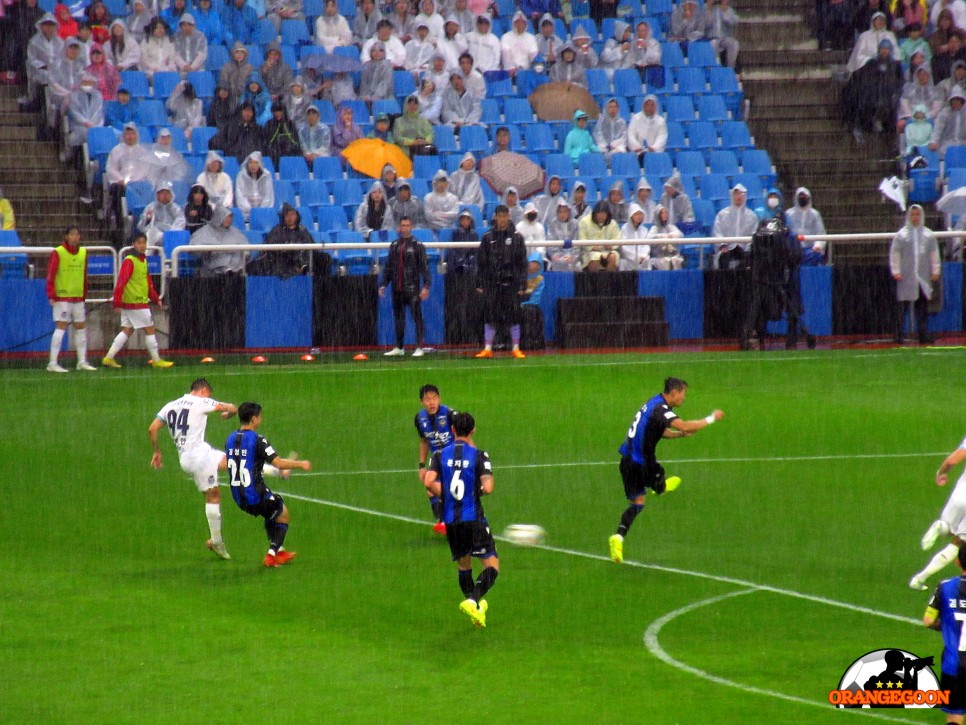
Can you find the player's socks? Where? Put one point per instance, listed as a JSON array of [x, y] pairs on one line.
[[80, 340], [276, 536], [627, 518], [152, 344], [118, 343], [515, 336], [940, 561], [213, 513], [56, 340], [484, 582], [437, 505], [467, 585], [489, 334]]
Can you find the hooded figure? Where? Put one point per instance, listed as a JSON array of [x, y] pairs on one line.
[[871, 97], [463, 261], [719, 28], [168, 165], [687, 23], [332, 29], [803, 219], [586, 55], [235, 73], [563, 227], [257, 95], [365, 22], [276, 73], [530, 228], [647, 130], [451, 45], [676, 201], [464, 183], [63, 79], [579, 141], [289, 230], [253, 185], [616, 49], [511, 200], [736, 220], [314, 137], [411, 128], [547, 201], [419, 50], [950, 129], [374, 213], [567, 69], [917, 131], [635, 256], [221, 110], [215, 181], [405, 204], [138, 21], [484, 46], [123, 51], [578, 200], [376, 83], [548, 42], [241, 135], [644, 51], [920, 89], [599, 224], [867, 46], [665, 256], [157, 50], [501, 275], [220, 230], [430, 101], [107, 76], [440, 205], [190, 46], [85, 109], [459, 106], [616, 201], [914, 264], [610, 133], [128, 162], [344, 131], [644, 196], [518, 47], [281, 136], [44, 51], [198, 210], [186, 109], [161, 215]]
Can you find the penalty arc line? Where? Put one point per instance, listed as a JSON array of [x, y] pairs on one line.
[[651, 641]]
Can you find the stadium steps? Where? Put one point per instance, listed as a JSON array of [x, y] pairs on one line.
[[43, 191], [794, 114]]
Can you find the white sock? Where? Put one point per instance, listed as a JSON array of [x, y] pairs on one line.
[[152, 342], [939, 562], [80, 340], [488, 348], [56, 340], [213, 512], [118, 343]]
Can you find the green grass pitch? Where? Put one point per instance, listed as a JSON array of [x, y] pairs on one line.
[[806, 504]]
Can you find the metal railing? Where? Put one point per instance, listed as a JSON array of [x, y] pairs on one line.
[[93, 249]]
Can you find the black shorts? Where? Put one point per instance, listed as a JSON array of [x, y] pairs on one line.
[[638, 477], [956, 684], [470, 538], [269, 509]]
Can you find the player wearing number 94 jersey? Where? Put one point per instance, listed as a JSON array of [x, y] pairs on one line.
[[186, 419], [461, 475], [248, 453]]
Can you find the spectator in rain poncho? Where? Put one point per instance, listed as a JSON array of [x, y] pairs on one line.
[[644, 51], [616, 49], [578, 200], [106, 76], [44, 51], [209, 24], [157, 50], [917, 132], [430, 100], [466, 15], [221, 110], [240, 21], [919, 90], [531, 229], [161, 215], [483, 45], [867, 46], [429, 16], [617, 202], [215, 181], [332, 29], [389, 179], [198, 210], [464, 183], [254, 187], [950, 128], [235, 73], [439, 73], [518, 46], [687, 23], [338, 89], [123, 111], [138, 21], [942, 63], [220, 230], [402, 20], [172, 12], [665, 256], [123, 51], [275, 72], [958, 78], [297, 102], [563, 227], [365, 23], [127, 162], [450, 46], [511, 200], [472, 78], [381, 129], [647, 130], [599, 225], [345, 131], [440, 206], [463, 260], [914, 43], [534, 290], [460, 106], [643, 196], [167, 163], [395, 50], [548, 42], [915, 266], [579, 141], [586, 55], [314, 137], [281, 136], [610, 133], [66, 25], [547, 201], [803, 219], [567, 69], [281, 10], [374, 213], [634, 256], [412, 131], [85, 110], [720, 20], [86, 38], [64, 78], [377, 79], [257, 95], [186, 109], [289, 230], [736, 220], [419, 50], [190, 46], [405, 204], [871, 97], [676, 201]]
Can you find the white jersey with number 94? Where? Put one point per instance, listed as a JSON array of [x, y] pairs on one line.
[[186, 419]]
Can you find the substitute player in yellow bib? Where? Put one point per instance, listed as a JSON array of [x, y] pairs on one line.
[[133, 294], [67, 290]]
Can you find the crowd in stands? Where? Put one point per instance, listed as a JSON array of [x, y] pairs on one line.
[[247, 105]]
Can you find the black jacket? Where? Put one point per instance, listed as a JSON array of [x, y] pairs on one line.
[[501, 260], [284, 264], [415, 267]]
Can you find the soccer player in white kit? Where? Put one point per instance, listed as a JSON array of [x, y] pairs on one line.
[[186, 419], [952, 521]]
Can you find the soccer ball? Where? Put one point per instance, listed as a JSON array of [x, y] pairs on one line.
[[525, 534]]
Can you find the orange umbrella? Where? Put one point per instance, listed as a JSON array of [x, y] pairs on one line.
[[558, 101], [369, 155]]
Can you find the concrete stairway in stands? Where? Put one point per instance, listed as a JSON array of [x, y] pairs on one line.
[[794, 114], [44, 192]]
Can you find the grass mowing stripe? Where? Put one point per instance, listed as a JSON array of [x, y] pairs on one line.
[[636, 564], [652, 642]]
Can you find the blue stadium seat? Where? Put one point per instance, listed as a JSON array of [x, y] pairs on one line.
[[528, 81], [473, 138], [704, 213], [679, 109], [676, 138], [203, 82], [587, 25], [290, 55], [672, 55], [164, 83], [389, 106], [736, 136], [420, 187], [597, 82], [100, 141], [187, 263], [136, 82], [331, 217], [403, 83], [491, 112], [538, 138], [591, 164], [627, 83], [690, 163], [295, 32], [955, 179], [217, 57], [955, 157], [284, 193], [723, 81], [262, 219], [255, 237], [255, 55], [294, 169], [349, 51], [701, 54], [360, 111], [714, 187], [14, 266], [348, 8], [346, 192], [702, 136], [138, 195], [625, 164], [691, 81], [712, 108], [326, 168], [658, 163], [475, 211], [199, 139], [450, 163], [499, 88], [758, 161], [424, 167], [313, 193], [152, 113], [326, 111], [752, 182], [306, 50], [445, 139], [517, 110], [265, 33], [723, 162], [559, 165], [313, 8]]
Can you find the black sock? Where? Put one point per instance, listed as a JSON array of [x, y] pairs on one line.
[[627, 518], [276, 537], [466, 582], [436, 503], [484, 582]]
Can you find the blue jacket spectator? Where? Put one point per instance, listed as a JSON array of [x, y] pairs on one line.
[[534, 9], [172, 14], [257, 95], [208, 22], [125, 110], [579, 141], [240, 22]]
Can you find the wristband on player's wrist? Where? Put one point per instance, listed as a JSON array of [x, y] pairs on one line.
[[422, 465], [709, 419]]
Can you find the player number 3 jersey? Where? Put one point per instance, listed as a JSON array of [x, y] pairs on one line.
[[187, 418], [647, 430]]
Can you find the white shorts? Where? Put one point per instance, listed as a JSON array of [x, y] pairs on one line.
[[202, 465], [69, 312], [954, 514], [136, 318]]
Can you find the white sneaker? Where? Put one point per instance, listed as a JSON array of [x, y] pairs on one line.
[[418, 352], [219, 549], [86, 366], [918, 584], [932, 533], [55, 368], [395, 352]]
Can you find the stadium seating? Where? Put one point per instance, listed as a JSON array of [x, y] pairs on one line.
[[714, 187], [712, 108], [331, 217], [723, 162], [473, 138], [691, 163], [658, 163], [627, 83], [217, 57], [735, 136], [701, 54], [538, 138], [759, 162], [313, 193], [593, 165], [164, 83], [203, 82], [262, 219], [445, 139], [702, 136], [955, 157], [518, 111], [679, 109], [136, 82], [326, 167], [294, 32], [691, 81]]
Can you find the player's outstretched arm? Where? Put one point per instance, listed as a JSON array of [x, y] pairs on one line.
[[953, 459], [156, 425], [227, 410], [288, 464], [692, 426]]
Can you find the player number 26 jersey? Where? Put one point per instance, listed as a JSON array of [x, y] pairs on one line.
[[186, 419], [247, 452]]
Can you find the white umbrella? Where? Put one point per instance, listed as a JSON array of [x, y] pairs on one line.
[[954, 202], [894, 188]]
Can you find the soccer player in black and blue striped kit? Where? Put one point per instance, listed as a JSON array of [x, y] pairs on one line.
[[640, 469], [461, 475], [247, 454], [434, 423], [947, 612]]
